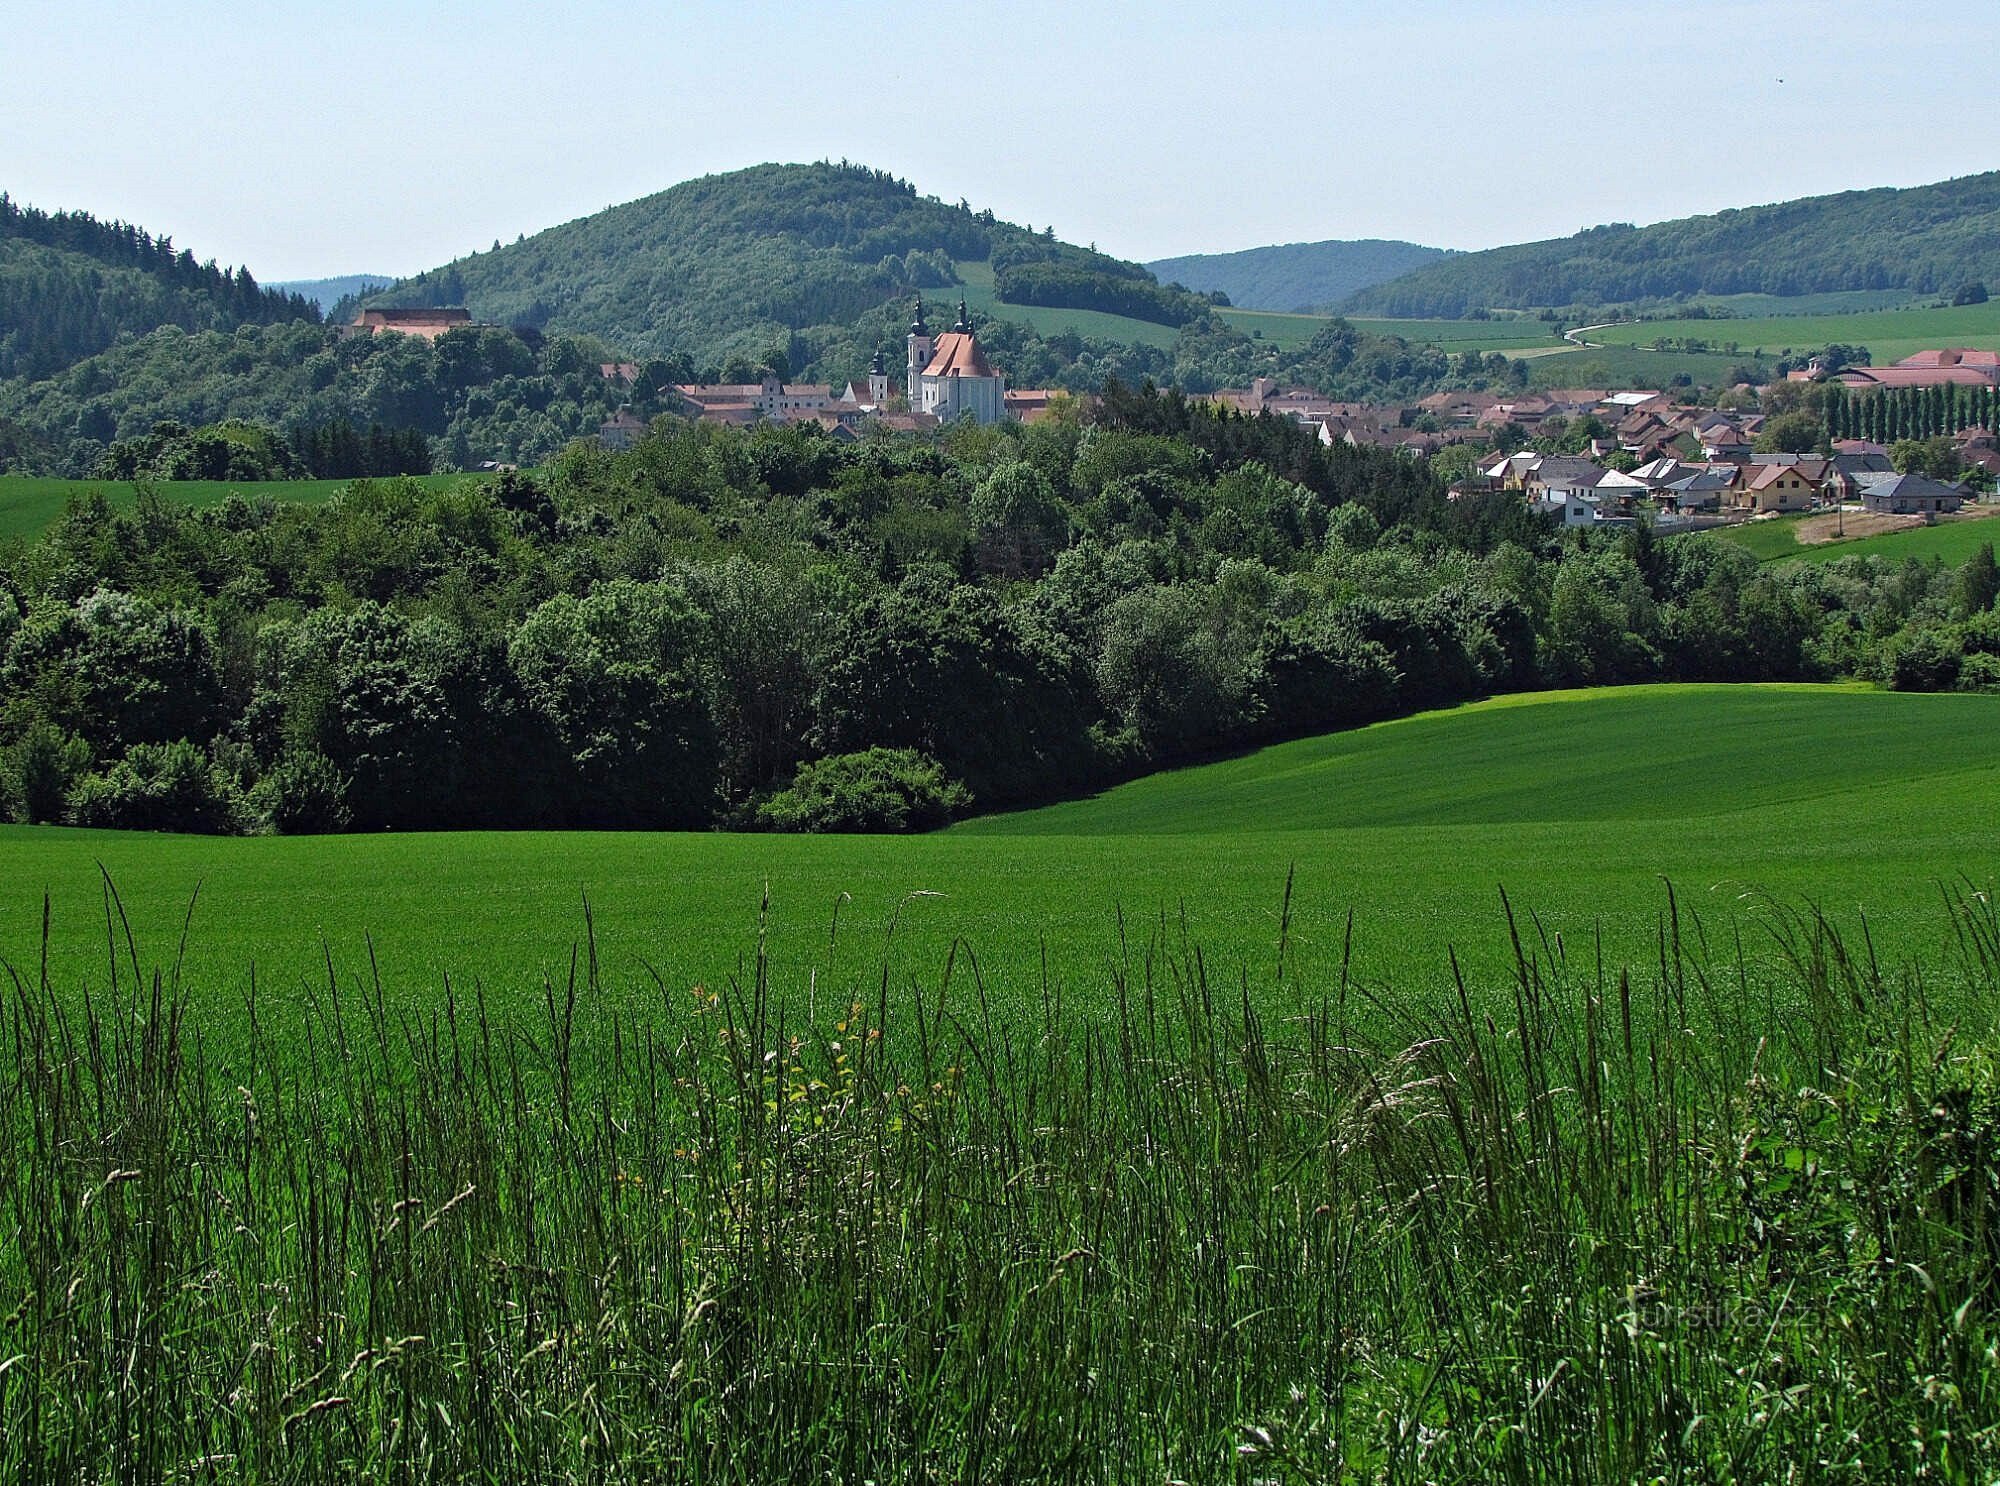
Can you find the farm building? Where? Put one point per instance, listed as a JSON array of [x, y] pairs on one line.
[[1907, 495]]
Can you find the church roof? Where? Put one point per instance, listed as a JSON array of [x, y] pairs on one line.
[[958, 355]]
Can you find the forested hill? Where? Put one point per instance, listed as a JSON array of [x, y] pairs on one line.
[[71, 285], [793, 256], [1929, 239], [326, 293], [1296, 276]]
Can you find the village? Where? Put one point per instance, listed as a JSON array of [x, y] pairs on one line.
[[1592, 457]]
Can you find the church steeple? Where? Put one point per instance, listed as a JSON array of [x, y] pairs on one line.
[[917, 326], [964, 325]]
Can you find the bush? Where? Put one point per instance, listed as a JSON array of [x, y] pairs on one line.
[[160, 787], [37, 773], [876, 790], [303, 795], [1925, 660]]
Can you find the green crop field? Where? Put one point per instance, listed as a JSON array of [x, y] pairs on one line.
[[1889, 334], [975, 286], [29, 504], [1285, 331], [1631, 366], [937, 1168], [1468, 335], [1850, 796], [1952, 540]]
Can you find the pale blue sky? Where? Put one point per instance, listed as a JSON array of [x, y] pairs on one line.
[[309, 139]]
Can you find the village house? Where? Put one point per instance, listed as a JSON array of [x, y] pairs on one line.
[[621, 430], [1764, 488]]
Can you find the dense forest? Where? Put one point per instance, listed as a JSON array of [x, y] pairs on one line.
[[1296, 277], [765, 627], [476, 394], [71, 285], [1929, 239]]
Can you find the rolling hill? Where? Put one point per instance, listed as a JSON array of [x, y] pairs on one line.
[[1296, 277], [1927, 239], [744, 262], [71, 285]]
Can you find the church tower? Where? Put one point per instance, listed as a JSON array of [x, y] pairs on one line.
[[922, 347], [878, 381]]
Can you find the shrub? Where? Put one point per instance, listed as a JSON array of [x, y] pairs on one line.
[[1925, 660], [160, 787], [876, 790], [37, 773], [303, 795]]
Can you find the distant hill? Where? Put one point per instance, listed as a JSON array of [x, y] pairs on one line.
[[70, 286], [1298, 277], [740, 263], [1928, 239], [326, 293]]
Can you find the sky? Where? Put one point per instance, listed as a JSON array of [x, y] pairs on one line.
[[308, 140]]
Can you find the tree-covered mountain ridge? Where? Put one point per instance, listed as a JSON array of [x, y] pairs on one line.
[[1927, 239], [793, 256], [72, 285], [1296, 277]]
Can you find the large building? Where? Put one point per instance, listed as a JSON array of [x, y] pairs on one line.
[[425, 323], [950, 376]]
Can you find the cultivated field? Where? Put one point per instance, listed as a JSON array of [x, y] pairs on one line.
[[29, 504], [1852, 797], [1256, 1184], [1889, 334]]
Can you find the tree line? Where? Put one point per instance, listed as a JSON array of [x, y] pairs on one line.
[[766, 627]]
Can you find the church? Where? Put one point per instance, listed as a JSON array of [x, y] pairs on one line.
[[950, 376]]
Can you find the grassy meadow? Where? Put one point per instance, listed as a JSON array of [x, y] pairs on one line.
[[30, 504], [1951, 540], [929, 1167]]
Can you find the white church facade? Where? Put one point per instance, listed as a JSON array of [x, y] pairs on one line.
[[950, 376]]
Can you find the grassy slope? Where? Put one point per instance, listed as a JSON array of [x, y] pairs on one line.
[[1579, 804], [30, 503], [976, 287]]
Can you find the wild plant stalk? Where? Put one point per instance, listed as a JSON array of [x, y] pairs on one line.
[[1729, 1216]]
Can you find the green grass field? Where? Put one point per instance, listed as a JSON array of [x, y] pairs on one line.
[[30, 503], [1580, 805], [1890, 334], [1201, 1199], [1777, 541]]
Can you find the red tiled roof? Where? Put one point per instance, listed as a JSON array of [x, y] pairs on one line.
[[958, 355]]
